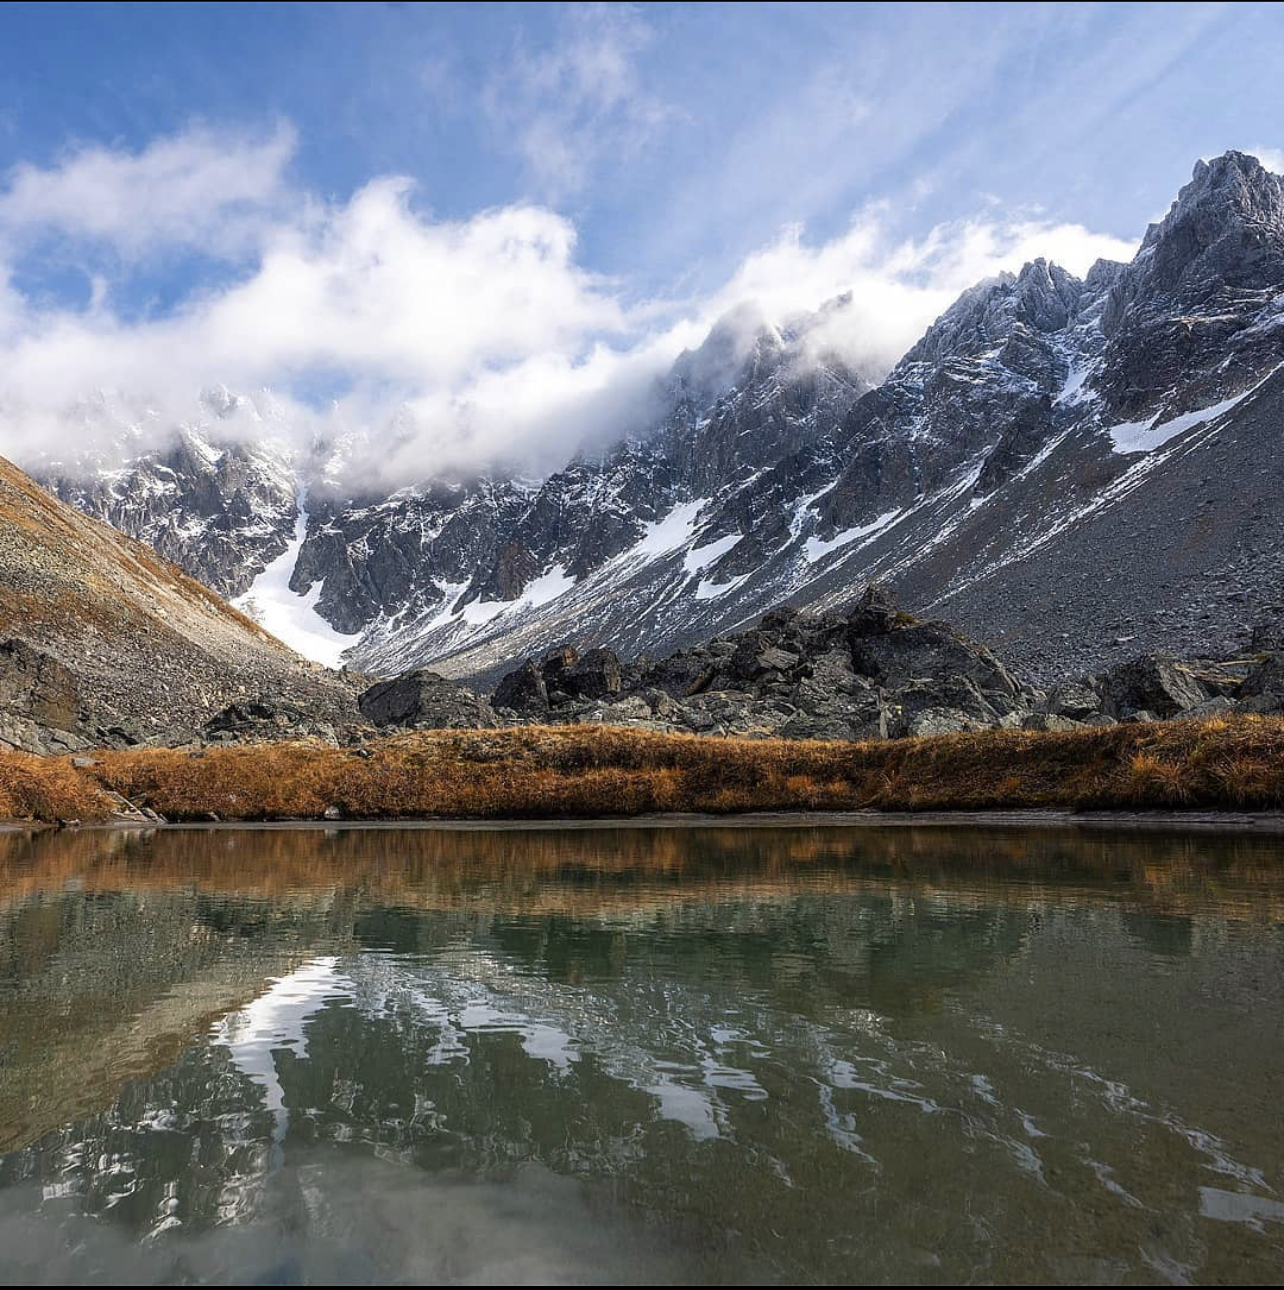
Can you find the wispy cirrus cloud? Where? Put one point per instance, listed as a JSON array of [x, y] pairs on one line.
[[580, 100]]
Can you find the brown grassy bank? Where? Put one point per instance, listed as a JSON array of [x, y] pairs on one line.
[[579, 771]]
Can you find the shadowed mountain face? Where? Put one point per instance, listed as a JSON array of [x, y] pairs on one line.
[[1070, 470]]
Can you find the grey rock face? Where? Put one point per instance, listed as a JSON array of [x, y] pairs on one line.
[[423, 700], [1268, 703], [524, 691], [1051, 721], [1074, 701], [1152, 683], [1266, 677], [40, 707], [926, 650], [266, 720], [594, 675]]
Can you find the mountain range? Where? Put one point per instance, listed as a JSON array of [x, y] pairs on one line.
[[1072, 469]]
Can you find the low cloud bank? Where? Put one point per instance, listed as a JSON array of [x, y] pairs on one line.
[[445, 345]]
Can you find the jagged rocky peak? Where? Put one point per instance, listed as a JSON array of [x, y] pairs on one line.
[[1225, 231], [1233, 196], [1042, 297], [1045, 296], [1100, 280], [741, 339], [1195, 317]]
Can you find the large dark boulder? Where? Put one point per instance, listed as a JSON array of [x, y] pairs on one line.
[[875, 614], [1262, 690], [689, 671], [832, 702], [758, 655], [1266, 677], [935, 706], [594, 675], [426, 700], [556, 663], [523, 690], [40, 702], [1074, 701], [1151, 683], [267, 720], [852, 716], [37, 686], [929, 651]]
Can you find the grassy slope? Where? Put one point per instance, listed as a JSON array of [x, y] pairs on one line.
[[585, 771]]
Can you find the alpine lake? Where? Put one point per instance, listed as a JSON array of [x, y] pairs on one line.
[[639, 1054]]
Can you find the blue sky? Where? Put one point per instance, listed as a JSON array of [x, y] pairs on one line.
[[653, 165]]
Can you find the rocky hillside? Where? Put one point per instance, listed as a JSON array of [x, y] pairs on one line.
[[104, 642], [1073, 470]]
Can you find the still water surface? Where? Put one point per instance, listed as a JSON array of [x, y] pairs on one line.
[[625, 1055]]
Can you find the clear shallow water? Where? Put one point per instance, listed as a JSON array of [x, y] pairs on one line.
[[610, 1056]]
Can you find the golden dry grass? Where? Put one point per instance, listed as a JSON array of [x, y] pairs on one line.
[[587, 771], [48, 788]]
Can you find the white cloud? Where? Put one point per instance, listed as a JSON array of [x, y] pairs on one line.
[[1271, 158], [199, 189], [448, 343], [899, 287], [568, 108]]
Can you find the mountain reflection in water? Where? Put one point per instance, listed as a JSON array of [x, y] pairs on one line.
[[618, 1054]]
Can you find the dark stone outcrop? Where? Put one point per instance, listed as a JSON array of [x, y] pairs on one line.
[[874, 673], [1151, 683], [425, 700], [265, 720], [1263, 688], [1074, 701], [35, 681], [594, 675], [39, 701], [523, 691]]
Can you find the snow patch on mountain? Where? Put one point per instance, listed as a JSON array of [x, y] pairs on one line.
[[671, 532], [289, 615], [1146, 436], [701, 557], [713, 590], [817, 548]]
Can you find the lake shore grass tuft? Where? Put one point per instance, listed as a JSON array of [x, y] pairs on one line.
[[567, 772]]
